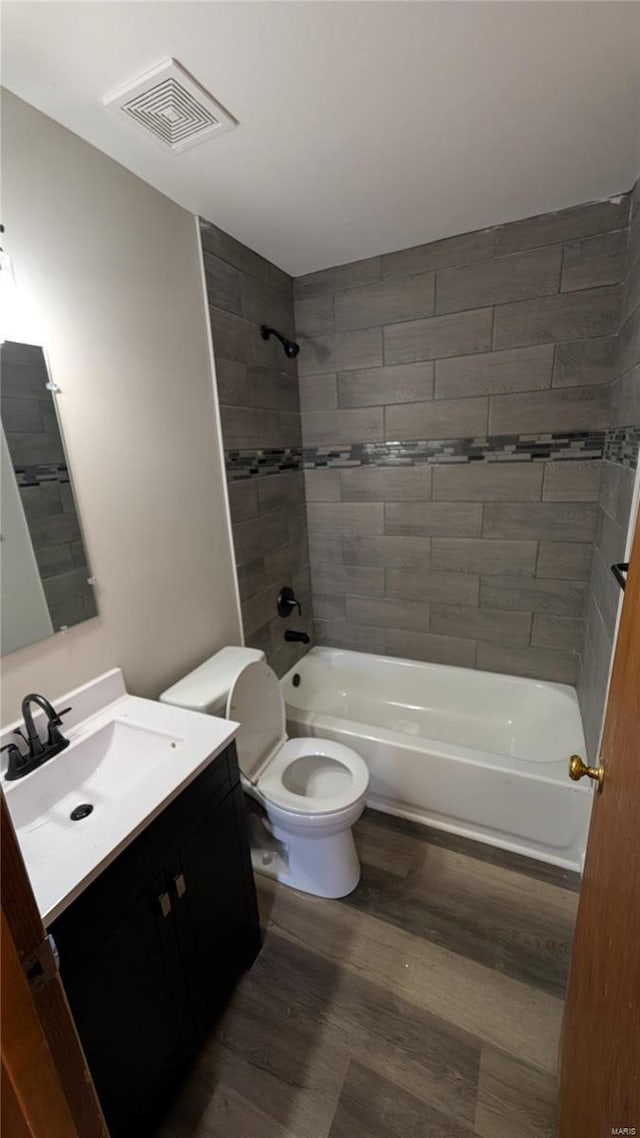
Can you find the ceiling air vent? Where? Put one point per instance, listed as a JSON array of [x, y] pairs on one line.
[[169, 104]]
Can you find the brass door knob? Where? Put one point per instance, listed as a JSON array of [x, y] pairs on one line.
[[578, 769]]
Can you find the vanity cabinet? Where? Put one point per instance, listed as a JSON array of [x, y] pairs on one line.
[[151, 951]]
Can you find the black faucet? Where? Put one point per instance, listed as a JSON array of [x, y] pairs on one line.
[[297, 637], [38, 753]]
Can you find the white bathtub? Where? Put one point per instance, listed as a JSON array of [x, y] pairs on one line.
[[475, 753]]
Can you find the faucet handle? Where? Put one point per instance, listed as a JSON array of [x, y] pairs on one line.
[[16, 761], [57, 720], [287, 601], [11, 748], [34, 746], [55, 737]]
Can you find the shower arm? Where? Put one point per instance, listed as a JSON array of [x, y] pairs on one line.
[[291, 349]]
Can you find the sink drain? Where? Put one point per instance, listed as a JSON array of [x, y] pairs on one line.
[[81, 811]]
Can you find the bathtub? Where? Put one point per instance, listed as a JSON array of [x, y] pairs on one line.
[[475, 753]]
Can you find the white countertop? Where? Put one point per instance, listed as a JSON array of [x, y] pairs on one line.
[[129, 758]]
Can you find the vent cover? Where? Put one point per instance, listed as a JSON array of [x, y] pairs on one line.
[[170, 105]]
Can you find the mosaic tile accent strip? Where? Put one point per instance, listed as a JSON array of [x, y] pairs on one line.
[[416, 452], [622, 446], [253, 463], [498, 448], [43, 472]]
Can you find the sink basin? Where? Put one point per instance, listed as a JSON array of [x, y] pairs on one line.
[[127, 759], [97, 769]]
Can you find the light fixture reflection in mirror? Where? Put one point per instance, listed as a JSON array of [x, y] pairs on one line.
[[46, 583], [18, 314]]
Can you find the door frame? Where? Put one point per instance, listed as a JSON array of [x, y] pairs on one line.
[[47, 1087]]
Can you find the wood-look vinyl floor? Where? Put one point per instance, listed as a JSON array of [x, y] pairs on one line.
[[425, 1005]]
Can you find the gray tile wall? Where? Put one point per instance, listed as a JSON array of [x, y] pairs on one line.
[[427, 571], [614, 501], [504, 331], [259, 405]]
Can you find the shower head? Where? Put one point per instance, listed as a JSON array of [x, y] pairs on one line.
[[291, 349]]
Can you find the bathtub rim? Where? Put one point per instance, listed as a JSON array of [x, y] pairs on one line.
[[319, 649]]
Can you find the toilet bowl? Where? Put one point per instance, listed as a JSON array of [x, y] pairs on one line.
[[311, 791]]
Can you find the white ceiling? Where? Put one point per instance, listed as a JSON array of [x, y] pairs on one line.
[[364, 127]]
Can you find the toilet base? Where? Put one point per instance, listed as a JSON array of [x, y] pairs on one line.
[[325, 865]]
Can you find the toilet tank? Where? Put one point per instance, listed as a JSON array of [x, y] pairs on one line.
[[206, 688]]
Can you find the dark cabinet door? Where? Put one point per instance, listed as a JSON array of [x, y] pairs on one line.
[[215, 909], [128, 1003], [151, 951]]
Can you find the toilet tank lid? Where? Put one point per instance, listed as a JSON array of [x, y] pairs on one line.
[[206, 687]]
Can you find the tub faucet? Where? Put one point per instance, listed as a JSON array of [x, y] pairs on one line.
[[297, 637]]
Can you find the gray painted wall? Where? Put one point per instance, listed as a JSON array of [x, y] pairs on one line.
[[505, 332], [260, 411], [112, 270], [614, 504]]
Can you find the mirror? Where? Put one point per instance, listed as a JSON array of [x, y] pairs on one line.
[[45, 579]]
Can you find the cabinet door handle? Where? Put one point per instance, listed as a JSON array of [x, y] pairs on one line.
[[180, 885], [164, 902]]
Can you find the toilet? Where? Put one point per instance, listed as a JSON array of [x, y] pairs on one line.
[[311, 791]]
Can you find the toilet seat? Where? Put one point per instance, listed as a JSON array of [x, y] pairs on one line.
[[301, 776], [314, 776]]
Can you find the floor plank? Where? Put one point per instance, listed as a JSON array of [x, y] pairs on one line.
[[500, 918], [481, 1001], [514, 1098], [230, 1114], [278, 1063], [371, 1105], [422, 1052], [426, 1005]]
